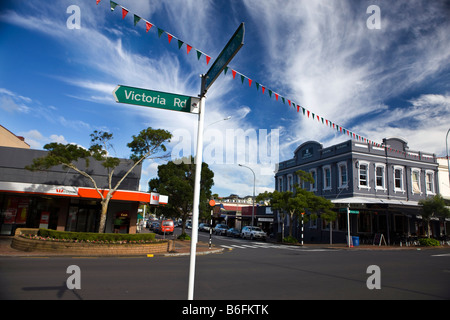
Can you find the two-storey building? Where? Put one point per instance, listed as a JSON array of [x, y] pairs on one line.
[[381, 185]]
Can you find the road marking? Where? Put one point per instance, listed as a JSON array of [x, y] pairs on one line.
[[441, 255]]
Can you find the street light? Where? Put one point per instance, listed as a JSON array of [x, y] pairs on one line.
[[254, 184], [224, 119]]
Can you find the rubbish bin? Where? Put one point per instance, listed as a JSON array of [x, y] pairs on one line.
[[355, 241]]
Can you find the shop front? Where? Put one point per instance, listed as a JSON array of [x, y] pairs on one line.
[[77, 211]]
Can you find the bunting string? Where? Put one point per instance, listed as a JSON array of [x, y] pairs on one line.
[[251, 83]]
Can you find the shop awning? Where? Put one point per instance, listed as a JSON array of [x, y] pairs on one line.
[[81, 192], [362, 200]]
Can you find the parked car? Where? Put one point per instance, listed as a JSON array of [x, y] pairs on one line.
[[221, 229], [204, 227], [233, 232], [253, 233], [154, 226], [166, 227]]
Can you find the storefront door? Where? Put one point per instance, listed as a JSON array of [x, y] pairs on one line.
[[83, 218]]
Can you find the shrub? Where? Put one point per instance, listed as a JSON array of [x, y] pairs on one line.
[[290, 239], [184, 236], [100, 237], [428, 242]]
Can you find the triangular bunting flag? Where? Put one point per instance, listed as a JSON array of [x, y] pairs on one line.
[[276, 96], [148, 25], [189, 48], [249, 82], [263, 89], [234, 73], [270, 93], [242, 79], [136, 19], [160, 32], [207, 59], [289, 101], [98, 1], [169, 37], [199, 54], [225, 70], [112, 4], [124, 13], [257, 86], [180, 44]]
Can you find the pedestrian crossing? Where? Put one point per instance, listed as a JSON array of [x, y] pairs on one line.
[[264, 245]]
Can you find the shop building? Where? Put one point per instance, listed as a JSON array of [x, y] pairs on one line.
[[61, 199], [381, 185]]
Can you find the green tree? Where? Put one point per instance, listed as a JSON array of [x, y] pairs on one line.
[[148, 144], [433, 207], [295, 203], [176, 179]]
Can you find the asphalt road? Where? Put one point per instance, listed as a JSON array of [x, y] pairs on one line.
[[250, 271]]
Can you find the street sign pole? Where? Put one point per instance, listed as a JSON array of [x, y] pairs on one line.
[[195, 209], [225, 56], [348, 225]]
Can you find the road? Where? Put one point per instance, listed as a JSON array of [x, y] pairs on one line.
[[250, 271]]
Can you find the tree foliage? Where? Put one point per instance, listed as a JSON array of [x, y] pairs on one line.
[[294, 203], [176, 179], [433, 207]]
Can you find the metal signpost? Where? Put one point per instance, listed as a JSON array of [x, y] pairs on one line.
[[227, 54]]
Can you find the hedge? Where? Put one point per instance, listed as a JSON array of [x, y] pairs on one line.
[[428, 242], [90, 236]]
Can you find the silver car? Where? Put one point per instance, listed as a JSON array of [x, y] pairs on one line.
[[253, 233]]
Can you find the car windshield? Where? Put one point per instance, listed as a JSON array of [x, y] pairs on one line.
[[257, 229], [167, 223]]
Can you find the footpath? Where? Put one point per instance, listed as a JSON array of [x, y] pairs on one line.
[[183, 248]]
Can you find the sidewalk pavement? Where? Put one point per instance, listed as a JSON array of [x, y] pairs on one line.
[[183, 248]]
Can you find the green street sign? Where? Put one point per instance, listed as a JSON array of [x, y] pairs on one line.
[[354, 211], [228, 52], [350, 211], [156, 99]]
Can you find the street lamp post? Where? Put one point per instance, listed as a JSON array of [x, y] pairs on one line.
[[254, 184]]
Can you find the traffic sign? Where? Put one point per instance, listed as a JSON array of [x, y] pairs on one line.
[[156, 99], [354, 211], [229, 51]]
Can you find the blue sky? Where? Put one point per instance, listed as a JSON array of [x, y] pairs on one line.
[[56, 83]]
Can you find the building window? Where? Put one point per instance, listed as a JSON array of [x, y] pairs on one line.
[[398, 179], [429, 182], [280, 184], [415, 179], [313, 186], [379, 177], [343, 178], [327, 177], [364, 175], [290, 183]]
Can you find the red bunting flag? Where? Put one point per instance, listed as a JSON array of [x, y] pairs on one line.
[[169, 36], [249, 82], [234, 73], [148, 25], [276, 96], [207, 59], [124, 13], [263, 89], [98, 1], [188, 48]]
